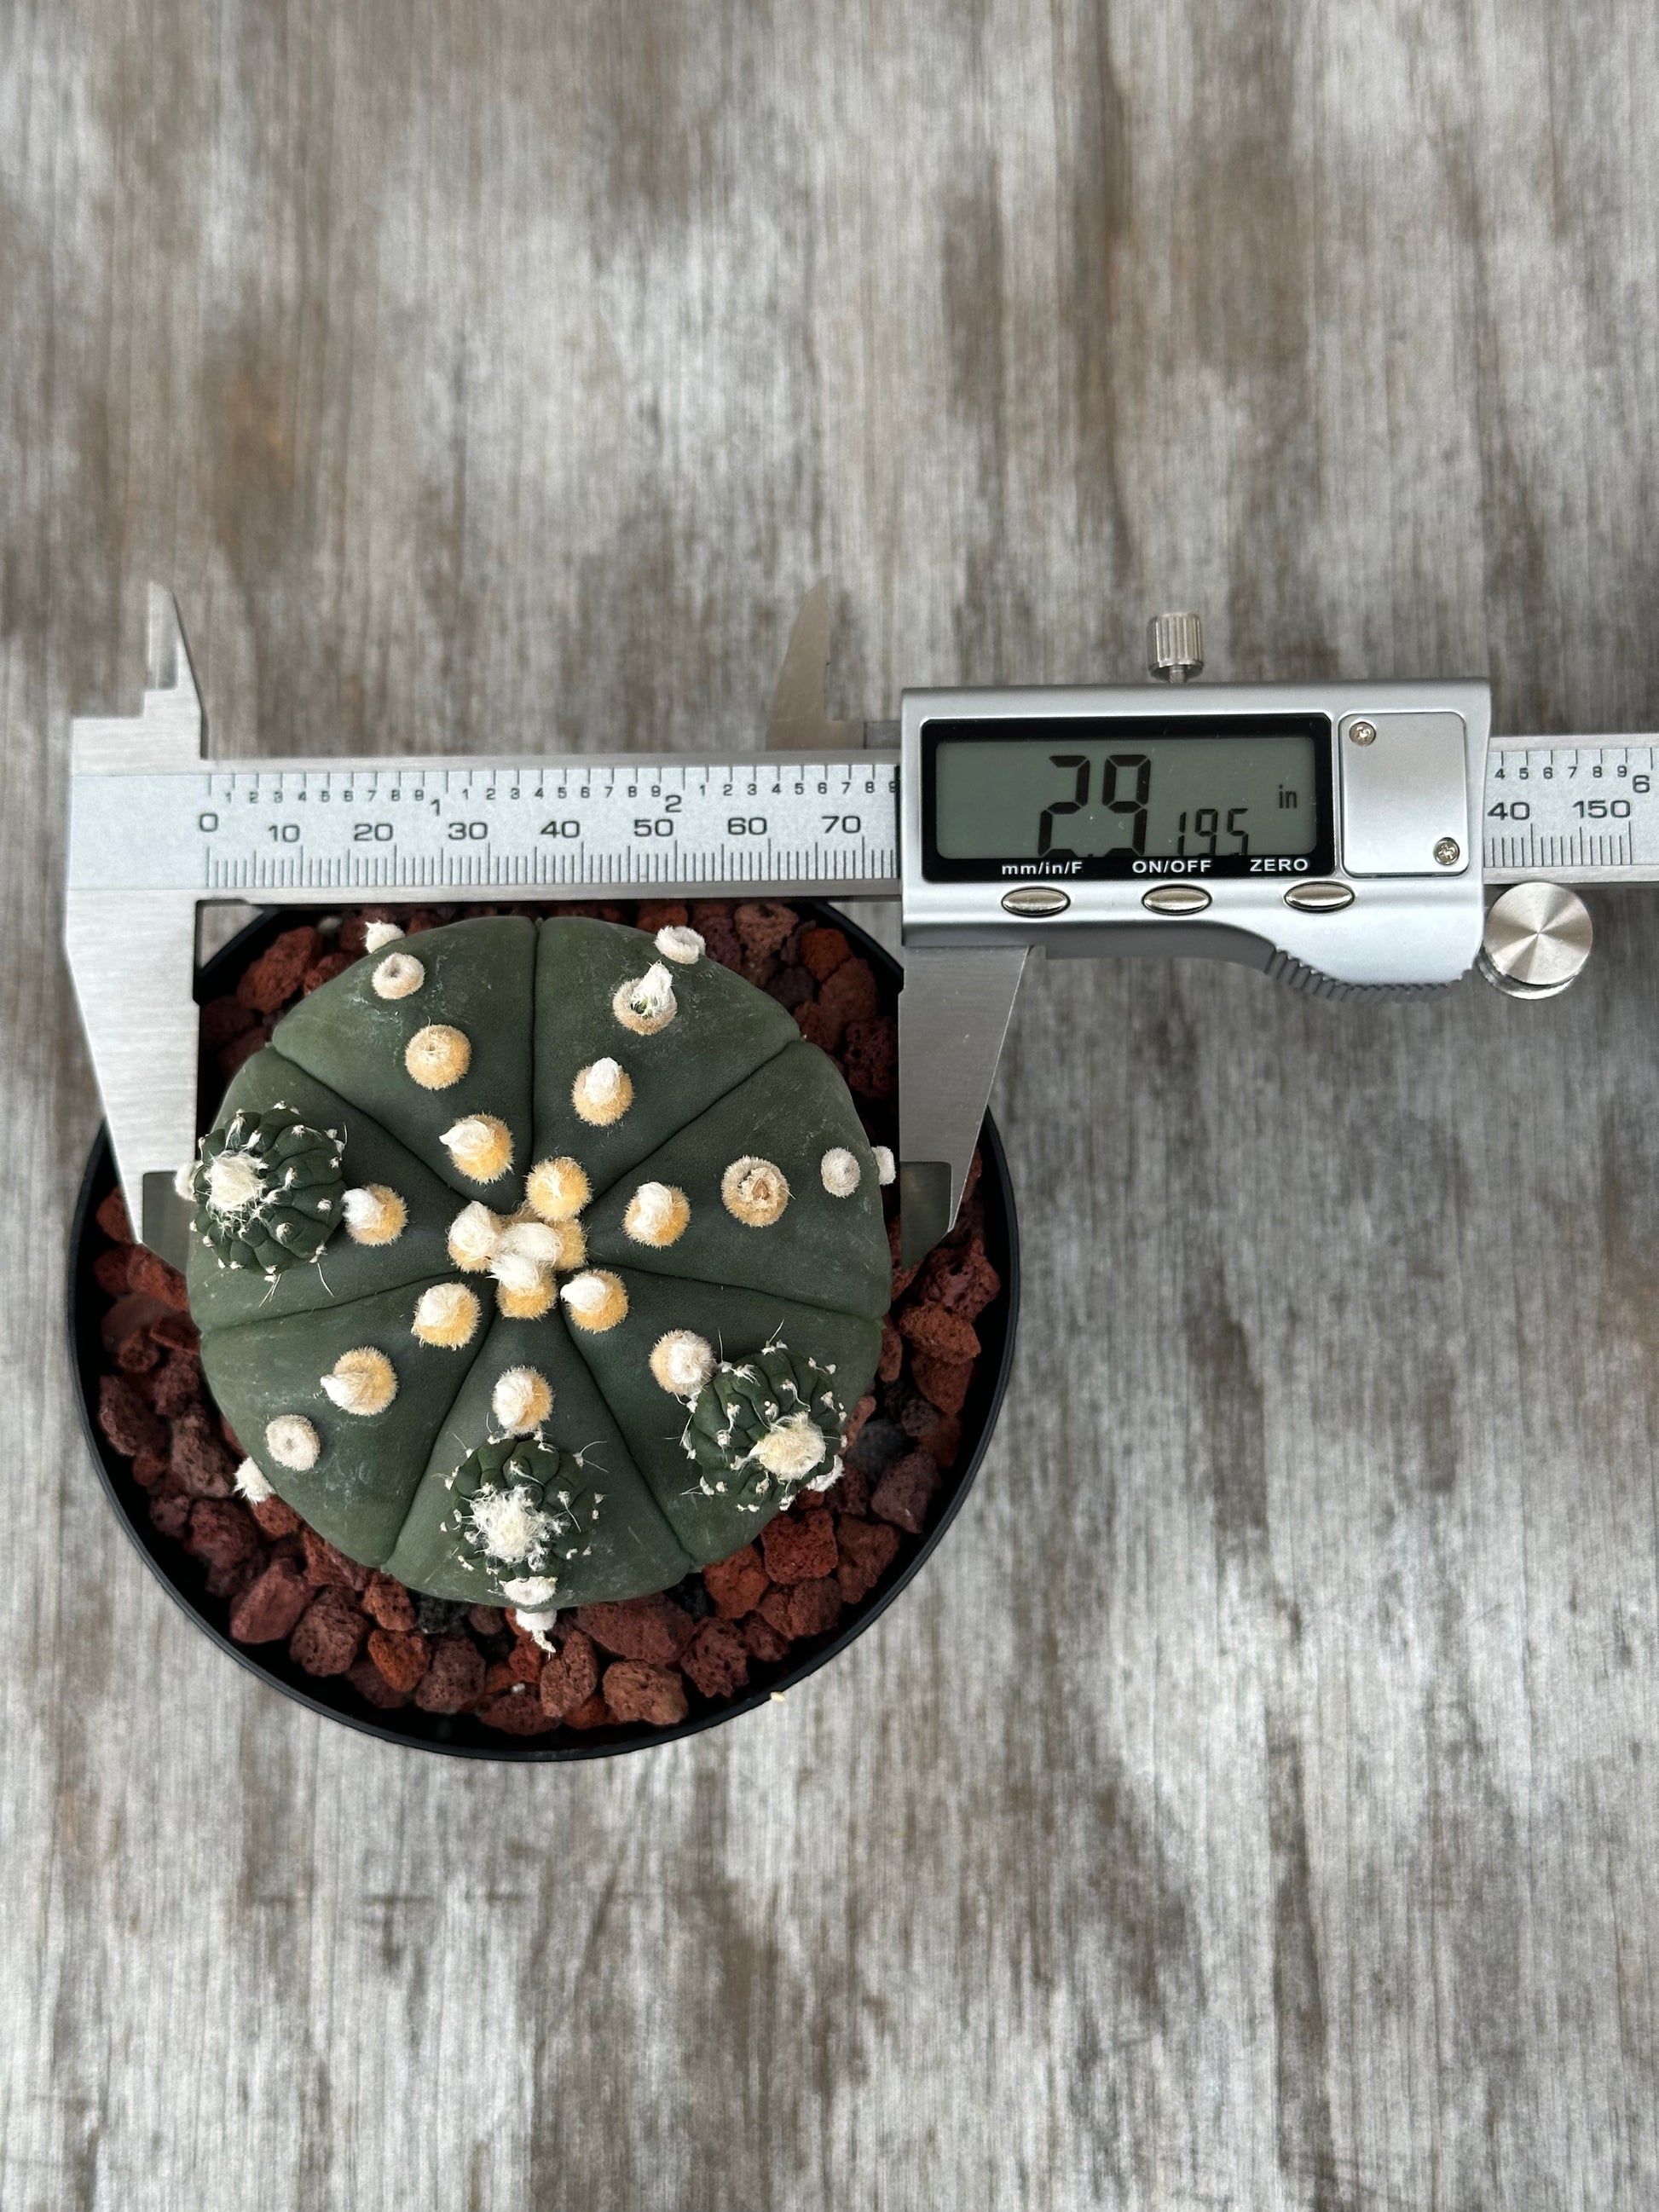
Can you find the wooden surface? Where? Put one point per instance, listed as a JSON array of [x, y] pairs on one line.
[[1255, 1804]]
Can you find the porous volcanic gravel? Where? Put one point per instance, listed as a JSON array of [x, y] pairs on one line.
[[652, 1660]]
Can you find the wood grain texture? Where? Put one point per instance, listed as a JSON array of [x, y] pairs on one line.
[[1255, 1804]]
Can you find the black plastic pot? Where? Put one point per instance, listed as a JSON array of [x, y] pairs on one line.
[[461, 1735]]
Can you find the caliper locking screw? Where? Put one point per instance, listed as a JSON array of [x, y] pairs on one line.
[[1362, 734], [1449, 852]]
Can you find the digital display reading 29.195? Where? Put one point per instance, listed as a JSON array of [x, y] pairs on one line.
[[1238, 795]]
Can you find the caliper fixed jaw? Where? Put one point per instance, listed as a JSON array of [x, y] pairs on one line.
[[132, 961]]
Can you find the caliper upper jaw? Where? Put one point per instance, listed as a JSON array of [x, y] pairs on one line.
[[132, 961]]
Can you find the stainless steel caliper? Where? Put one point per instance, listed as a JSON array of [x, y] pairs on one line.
[[1341, 837]]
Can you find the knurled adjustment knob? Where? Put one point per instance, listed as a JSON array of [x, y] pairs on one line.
[[1175, 647]]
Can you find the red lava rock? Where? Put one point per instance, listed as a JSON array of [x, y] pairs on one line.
[[856, 1419], [275, 977], [852, 1493], [169, 1513], [715, 1660], [109, 1270], [850, 995], [871, 1057], [455, 1677], [570, 1677], [176, 1331], [147, 1272], [791, 987], [498, 1675], [234, 1055], [525, 1660], [867, 1550], [224, 1020], [200, 1463], [902, 1276], [823, 951], [111, 1215], [400, 1659], [325, 1565], [271, 1607], [817, 1027], [366, 1678], [943, 1382], [482, 1620], [331, 965], [517, 1712], [651, 1629], [148, 1468], [592, 1712], [277, 1517], [905, 1491], [387, 1603], [137, 1353], [891, 1361], [126, 1420], [798, 1548], [714, 925], [761, 1640], [654, 915], [737, 1584], [222, 1532], [636, 1691], [804, 1609], [763, 926], [178, 1384], [330, 1634], [943, 1443], [962, 1282], [945, 1335]]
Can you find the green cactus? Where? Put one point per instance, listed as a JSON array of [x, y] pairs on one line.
[[545, 1261]]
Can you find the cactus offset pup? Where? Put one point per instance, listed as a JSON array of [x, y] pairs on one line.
[[538, 1263]]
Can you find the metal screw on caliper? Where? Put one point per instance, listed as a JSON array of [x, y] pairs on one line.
[[1537, 938], [1175, 647]]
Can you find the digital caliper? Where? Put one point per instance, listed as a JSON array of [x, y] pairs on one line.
[[1339, 836]]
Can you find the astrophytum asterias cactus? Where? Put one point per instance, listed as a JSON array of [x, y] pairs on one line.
[[536, 1263]]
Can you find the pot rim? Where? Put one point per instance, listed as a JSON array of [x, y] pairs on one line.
[[462, 1736]]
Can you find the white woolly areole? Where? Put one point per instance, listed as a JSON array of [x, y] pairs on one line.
[[473, 1236], [530, 1590], [447, 1314], [657, 1214], [517, 1271], [535, 1240], [840, 1171], [829, 1480], [292, 1442], [236, 1181], [886, 1165], [363, 1382], [557, 1189], [399, 975], [481, 1145], [252, 1484], [683, 946], [437, 1056], [682, 1361], [184, 1181], [509, 1523], [597, 1301], [521, 1401], [603, 1092], [754, 1191], [379, 934], [535, 1615], [791, 1448], [375, 1215], [646, 1005]]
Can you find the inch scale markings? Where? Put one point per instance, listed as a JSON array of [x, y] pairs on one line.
[[1582, 813]]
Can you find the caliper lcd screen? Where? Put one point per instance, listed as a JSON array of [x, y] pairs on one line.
[[1238, 796]]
